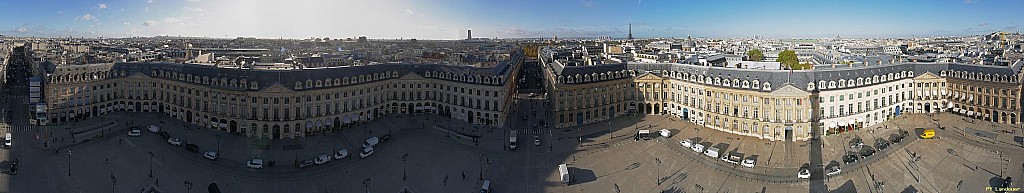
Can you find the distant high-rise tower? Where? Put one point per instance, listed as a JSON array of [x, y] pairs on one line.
[[469, 34], [630, 31]]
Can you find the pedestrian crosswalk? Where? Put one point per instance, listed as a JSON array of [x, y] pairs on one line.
[[17, 128]]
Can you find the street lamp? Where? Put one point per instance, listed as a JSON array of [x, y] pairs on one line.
[[69, 162], [188, 186], [218, 143], [366, 184], [186, 134], [404, 157], [481, 160], [150, 164], [659, 171], [113, 183]]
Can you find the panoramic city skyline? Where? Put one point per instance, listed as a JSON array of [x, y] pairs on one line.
[[445, 19]]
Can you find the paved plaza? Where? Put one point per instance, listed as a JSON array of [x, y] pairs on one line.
[[604, 157]]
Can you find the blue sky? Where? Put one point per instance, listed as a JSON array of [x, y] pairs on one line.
[[448, 19]]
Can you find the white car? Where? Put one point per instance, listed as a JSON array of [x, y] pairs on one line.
[[832, 171], [804, 173], [366, 152], [174, 141], [323, 159], [211, 155], [686, 143], [748, 163], [255, 164], [341, 154], [698, 148], [665, 133], [135, 133]]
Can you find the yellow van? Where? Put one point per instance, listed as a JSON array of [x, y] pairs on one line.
[[928, 134]]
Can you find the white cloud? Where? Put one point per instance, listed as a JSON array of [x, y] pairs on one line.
[[86, 17], [195, 9], [102, 6], [265, 18], [150, 1], [587, 3], [127, 23], [21, 29]]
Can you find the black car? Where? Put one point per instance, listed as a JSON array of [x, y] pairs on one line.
[[866, 152], [1006, 182], [13, 167], [895, 138], [164, 135], [305, 163], [849, 158], [385, 138], [881, 144], [856, 143], [192, 147]]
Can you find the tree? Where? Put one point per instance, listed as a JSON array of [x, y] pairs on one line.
[[789, 60], [755, 55]]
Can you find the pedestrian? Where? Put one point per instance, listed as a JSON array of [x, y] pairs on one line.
[[445, 181], [463, 175]]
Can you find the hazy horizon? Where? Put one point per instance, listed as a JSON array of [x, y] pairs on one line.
[[449, 19]]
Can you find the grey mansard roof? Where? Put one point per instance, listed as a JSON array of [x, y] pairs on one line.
[[797, 78], [497, 75]]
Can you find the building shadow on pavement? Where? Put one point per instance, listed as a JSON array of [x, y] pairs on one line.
[[582, 175], [847, 187]]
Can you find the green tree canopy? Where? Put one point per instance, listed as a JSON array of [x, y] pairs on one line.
[[755, 55], [789, 60]]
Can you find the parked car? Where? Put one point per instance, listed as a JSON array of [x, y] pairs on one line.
[[164, 134], [856, 143], [211, 155], [192, 147], [366, 152], [254, 163], [174, 141], [848, 159], [686, 143], [867, 152], [881, 144], [341, 154], [385, 138], [804, 173], [834, 170], [135, 132], [305, 163], [323, 159], [748, 163], [13, 167], [895, 138], [665, 133]]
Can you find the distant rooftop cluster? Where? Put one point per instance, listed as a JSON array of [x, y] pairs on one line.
[[998, 48], [265, 54]]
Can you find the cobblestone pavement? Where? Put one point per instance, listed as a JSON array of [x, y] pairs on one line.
[[603, 155]]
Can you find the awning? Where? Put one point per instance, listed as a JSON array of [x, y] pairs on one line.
[[832, 124], [950, 104], [970, 113], [347, 119], [860, 119]]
